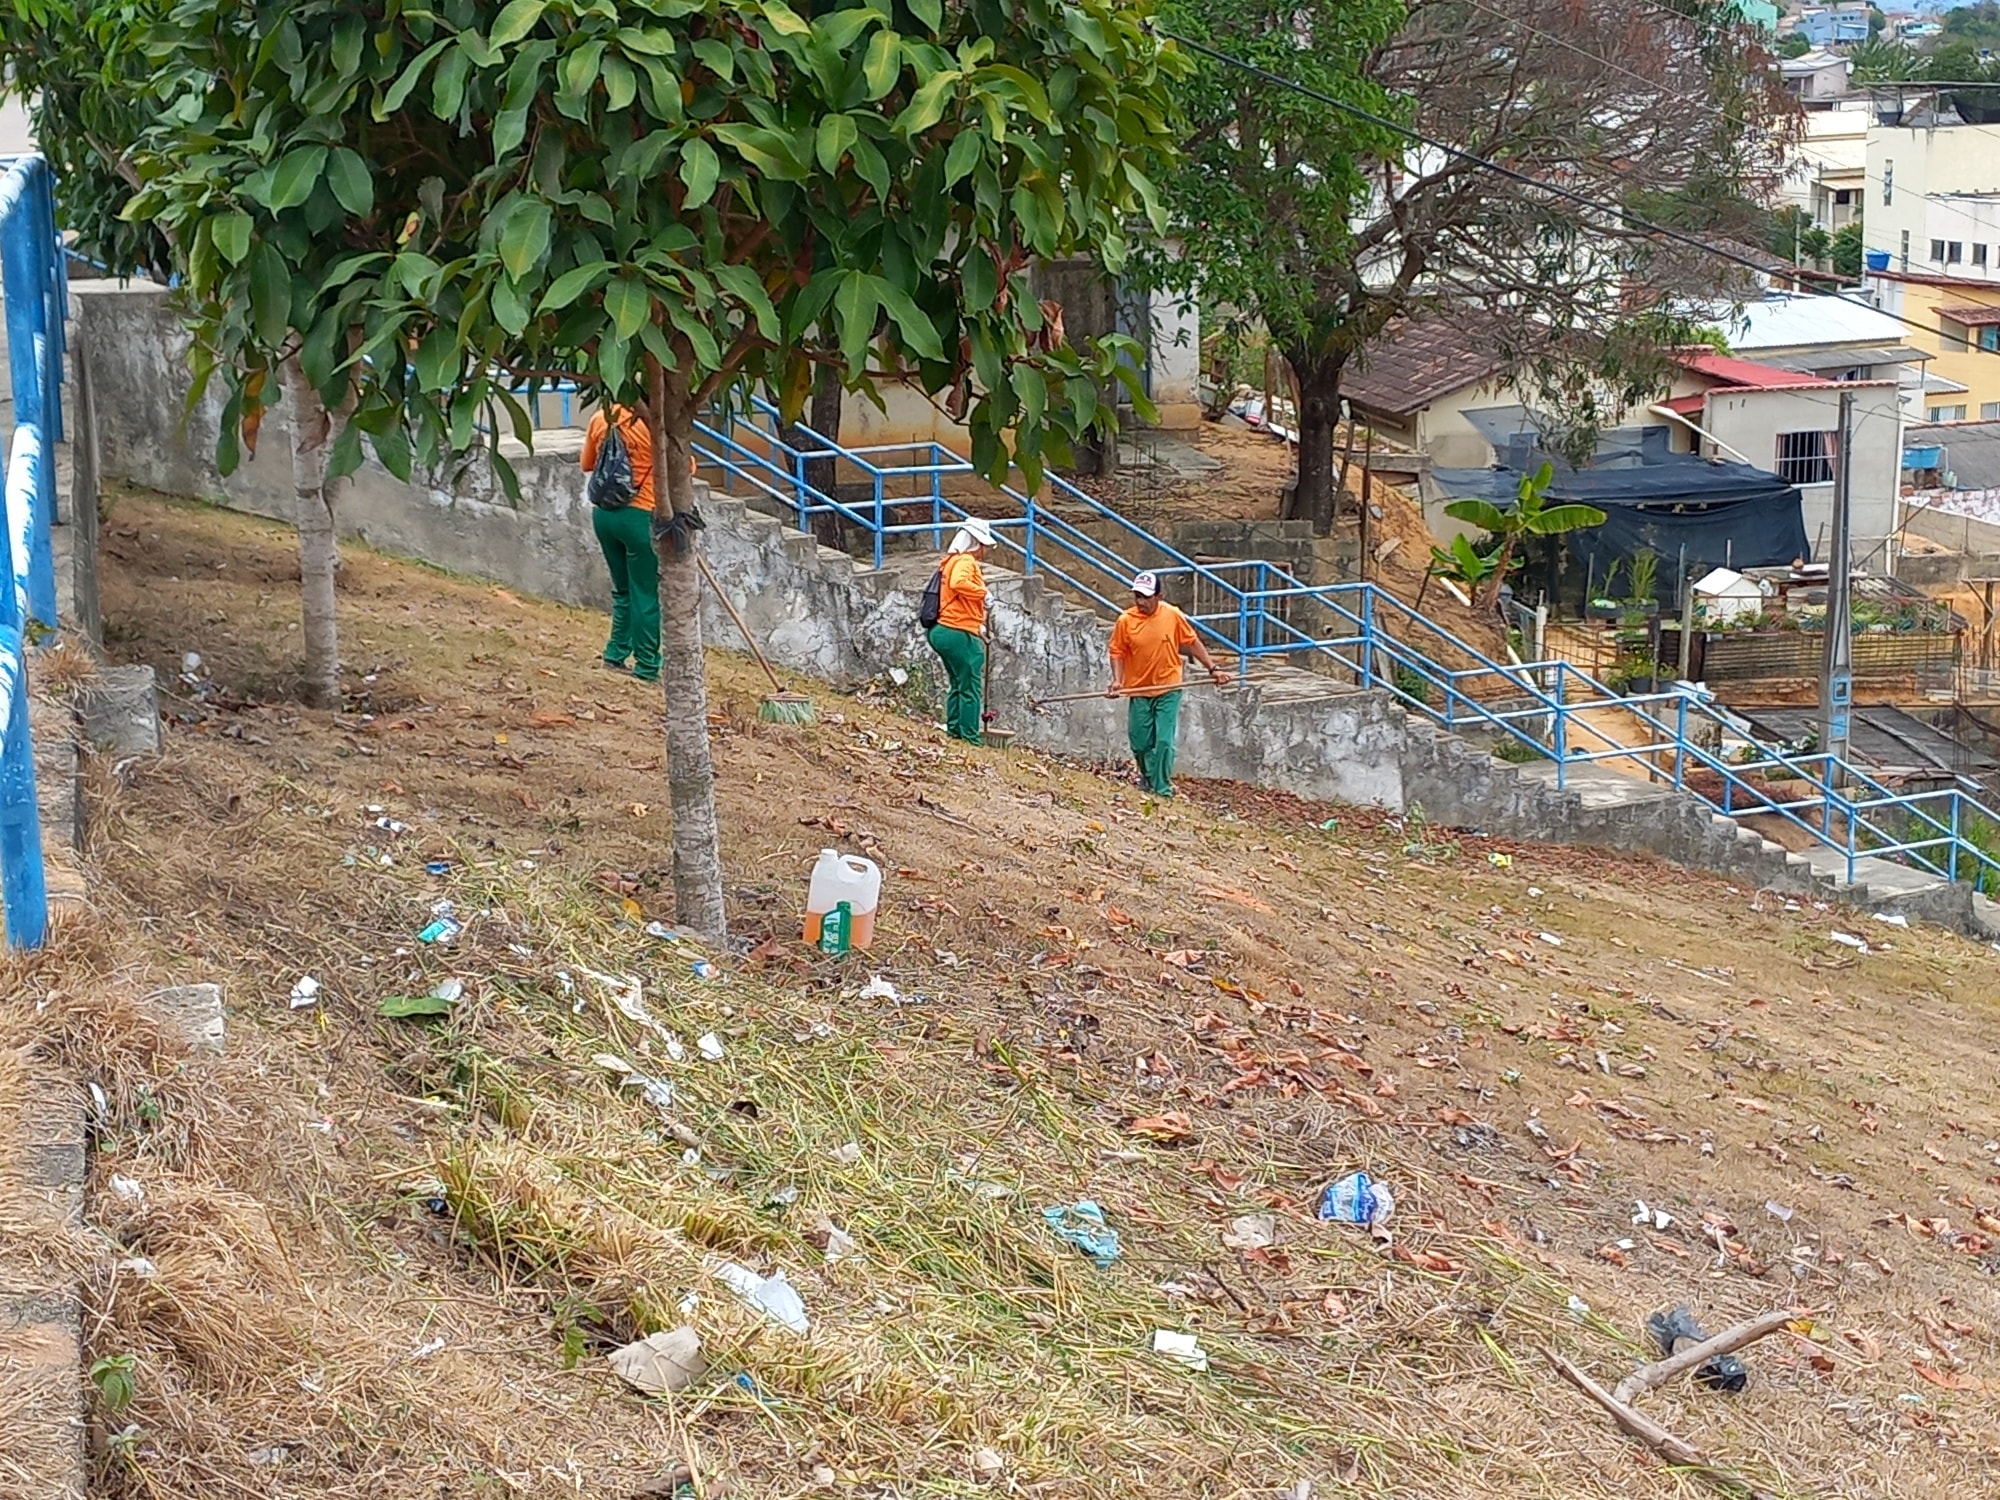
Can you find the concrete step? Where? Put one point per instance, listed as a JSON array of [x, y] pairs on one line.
[[1596, 787]]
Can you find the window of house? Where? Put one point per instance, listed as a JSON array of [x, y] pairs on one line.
[[1906, 249], [1938, 414], [1955, 338], [1954, 252], [1888, 183], [1807, 457], [1844, 197], [1979, 255], [1937, 252], [1989, 411], [1989, 337]]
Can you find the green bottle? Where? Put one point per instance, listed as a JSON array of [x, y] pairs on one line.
[[835, 928]]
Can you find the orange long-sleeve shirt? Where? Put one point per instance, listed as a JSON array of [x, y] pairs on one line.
[[962, 603], [638, 444]]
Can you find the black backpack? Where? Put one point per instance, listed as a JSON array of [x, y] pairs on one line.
[[610, 486], [931, 606]]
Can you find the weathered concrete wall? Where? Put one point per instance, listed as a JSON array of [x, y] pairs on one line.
[[813, 609]]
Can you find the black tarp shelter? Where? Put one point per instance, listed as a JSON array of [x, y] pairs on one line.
[[1693, 515]]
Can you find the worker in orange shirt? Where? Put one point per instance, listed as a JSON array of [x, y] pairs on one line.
[[1147, 645], [959, 635], [621, 514]]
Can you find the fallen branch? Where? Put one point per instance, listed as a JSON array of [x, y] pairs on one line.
[[1676, 1450], [1653, 1376]]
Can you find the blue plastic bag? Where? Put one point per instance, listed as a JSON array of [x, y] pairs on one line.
[[1082, 1224], [1357, 1199]]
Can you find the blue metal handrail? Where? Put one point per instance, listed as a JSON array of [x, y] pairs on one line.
[[1382, 641], [35, 288]]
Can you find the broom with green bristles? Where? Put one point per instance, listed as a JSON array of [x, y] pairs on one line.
[[781, 707]]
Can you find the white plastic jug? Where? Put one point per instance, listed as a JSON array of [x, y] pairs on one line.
[[844, 877]]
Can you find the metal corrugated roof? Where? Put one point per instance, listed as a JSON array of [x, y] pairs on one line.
[[1790, 322]]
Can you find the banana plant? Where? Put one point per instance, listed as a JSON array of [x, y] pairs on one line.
[[1531, 516]]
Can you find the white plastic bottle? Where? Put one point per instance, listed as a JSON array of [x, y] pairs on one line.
[[841, 877]]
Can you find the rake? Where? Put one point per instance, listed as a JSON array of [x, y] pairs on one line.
[[779, 706]]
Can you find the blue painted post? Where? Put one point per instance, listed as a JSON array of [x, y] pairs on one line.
[[1562, 734], [937, 504], [24, 274], [878, 518], [1680, 739], [55, 306], [1956, 801], [798, 483], [1028, 541], [22, 882], [1368, 638], [31, 565]]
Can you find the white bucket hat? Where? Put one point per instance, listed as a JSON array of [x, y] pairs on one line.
[[973, 533]]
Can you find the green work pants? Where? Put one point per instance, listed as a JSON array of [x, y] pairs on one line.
[[1151, 723], [964, 657], [626, 535]]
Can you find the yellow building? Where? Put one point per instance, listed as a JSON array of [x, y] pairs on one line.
[[1956, 321]]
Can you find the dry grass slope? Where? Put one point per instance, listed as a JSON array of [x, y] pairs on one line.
[[370, 1257]]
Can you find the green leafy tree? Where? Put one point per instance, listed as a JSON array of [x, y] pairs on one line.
[[418, 214], [1844, 252], [1333, 229], [1792, 234], [1463, 564], [88, 81], [1794, 46], [1531, 516]]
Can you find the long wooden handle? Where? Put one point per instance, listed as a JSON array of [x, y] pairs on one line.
[[1152, 692], [748, 639]]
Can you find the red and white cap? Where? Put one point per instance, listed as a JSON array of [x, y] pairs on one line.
[[1146, 585]]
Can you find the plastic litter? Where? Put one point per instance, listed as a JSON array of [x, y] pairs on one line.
[[1657, 1218], [1550, 938], [139, 1266], [1358, 1198], [1677, 1330], [848, 1154], [1500, 861], [771, 1295], [305, 992], [1252, 1232], [425, 1351], [661, 931], [710, 1046], [1849, 940], [1892, 918], [1183, 1348], [879, 988], [626, 994], [440, 930], [128, 1188], [661, 1363], [1082, 1224], [1777, 1210], [701, 968]]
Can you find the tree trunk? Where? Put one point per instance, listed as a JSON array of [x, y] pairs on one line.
[[823, 417], [1313, 494], [319, 552], [683, 678]]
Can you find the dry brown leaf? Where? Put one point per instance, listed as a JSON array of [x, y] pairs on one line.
[[1949, 1380], [1173, 1128], [545, 719]]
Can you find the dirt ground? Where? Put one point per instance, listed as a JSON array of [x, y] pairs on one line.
[[387, 1255]]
